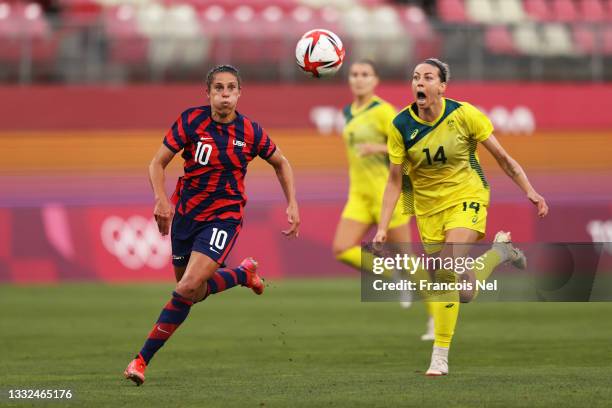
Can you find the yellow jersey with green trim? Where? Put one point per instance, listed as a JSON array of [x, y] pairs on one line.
[[439, 158], [367, 124]]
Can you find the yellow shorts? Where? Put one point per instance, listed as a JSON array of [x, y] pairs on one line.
[[471, 215], [365, 208]]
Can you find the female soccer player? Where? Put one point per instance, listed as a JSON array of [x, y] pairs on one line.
[[217, 144], [435, 140], [365, 136]]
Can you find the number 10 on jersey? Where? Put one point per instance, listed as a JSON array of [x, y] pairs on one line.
[[203, 152]]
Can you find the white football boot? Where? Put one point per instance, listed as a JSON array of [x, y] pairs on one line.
[[439, 362], [503, 244]]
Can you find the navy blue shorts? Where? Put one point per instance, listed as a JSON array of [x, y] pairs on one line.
[[214, 239]]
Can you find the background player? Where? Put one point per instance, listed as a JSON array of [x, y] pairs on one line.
[[434, 142], [365, 136], [217, 144]]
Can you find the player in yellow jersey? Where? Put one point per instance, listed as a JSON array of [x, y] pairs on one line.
[[433, 141], [365, 136]]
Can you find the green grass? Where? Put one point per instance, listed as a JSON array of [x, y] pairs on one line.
[[304, 343]]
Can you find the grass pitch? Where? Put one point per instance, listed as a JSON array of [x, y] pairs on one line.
[[307, 343]]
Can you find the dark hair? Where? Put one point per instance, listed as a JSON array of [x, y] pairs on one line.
[[210, 77], [442, 66], [369, 62]]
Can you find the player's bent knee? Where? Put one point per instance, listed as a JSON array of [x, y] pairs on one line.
[[188, 287]]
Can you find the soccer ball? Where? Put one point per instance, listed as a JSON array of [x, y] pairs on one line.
[[319, 53]]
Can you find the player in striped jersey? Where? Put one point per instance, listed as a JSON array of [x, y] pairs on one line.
[[433, 141], [217, 143]]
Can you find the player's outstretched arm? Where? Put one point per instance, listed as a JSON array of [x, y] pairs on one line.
[[390, 197], [367, 149], [516, 173], [164, 210], [285, 177]]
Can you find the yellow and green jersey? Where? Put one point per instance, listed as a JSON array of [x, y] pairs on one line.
[[367, 124], [439, 158]]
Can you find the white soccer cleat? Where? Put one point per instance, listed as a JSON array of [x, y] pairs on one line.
[[405, 304], [503, 243], [439, 362], [429, 333]]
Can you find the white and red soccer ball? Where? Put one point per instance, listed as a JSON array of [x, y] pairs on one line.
[[319, 53]]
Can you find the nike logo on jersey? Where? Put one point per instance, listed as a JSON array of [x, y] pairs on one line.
[[162, 330]]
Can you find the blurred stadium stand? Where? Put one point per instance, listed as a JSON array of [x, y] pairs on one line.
[[82, 41]]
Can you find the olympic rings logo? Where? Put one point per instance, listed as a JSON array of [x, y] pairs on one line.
[[136, 242]]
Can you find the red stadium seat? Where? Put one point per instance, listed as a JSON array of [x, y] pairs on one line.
[[126, 44], [24, 31], [564, 10], [452, 11], [607, 40], [538, 10], [608, 9], [416, 23], [584, 39], [256, 5], [591, 10], [80, 12], [498, 40]]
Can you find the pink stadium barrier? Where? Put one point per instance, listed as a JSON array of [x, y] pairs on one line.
[[121, 243], [514, 107]]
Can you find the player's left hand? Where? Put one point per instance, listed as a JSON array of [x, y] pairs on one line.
[[293, 217], [540, 202]]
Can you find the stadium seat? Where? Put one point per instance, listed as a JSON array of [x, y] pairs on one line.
[[25, 24], [538, 10], [498, 40], [329, 15], [591, 10], [390, 32], [608, 9], [451, 11], [606, 48], [481, 11], [126, 45], [584, 39], [175, 36], [80, 12], [527, 39], [564, 10], [344, 5], [426, 40], [509, 11], [557, 40]]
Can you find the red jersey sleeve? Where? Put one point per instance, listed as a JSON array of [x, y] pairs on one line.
[[176, 137], [266, 146]]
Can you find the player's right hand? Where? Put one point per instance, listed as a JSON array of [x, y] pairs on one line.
[[539, 202], [293, 218], [379, 239], [163, 212]]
